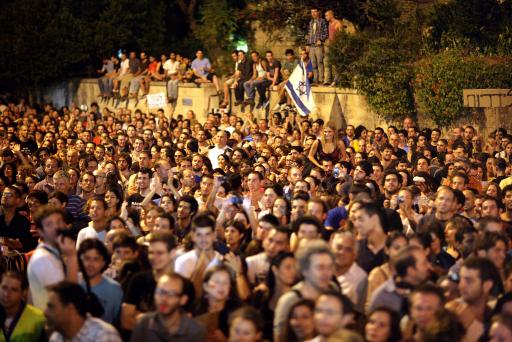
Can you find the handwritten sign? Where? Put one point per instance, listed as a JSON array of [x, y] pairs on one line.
[[156, 100], [487, 98]]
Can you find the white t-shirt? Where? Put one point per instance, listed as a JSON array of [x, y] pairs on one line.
[[218, 203], [257, 267], [171, 67], [214, 153], [90, 233], [185, 264], [45, 268], [125, 66]]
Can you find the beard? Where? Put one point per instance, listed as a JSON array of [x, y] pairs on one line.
[[167, 310]]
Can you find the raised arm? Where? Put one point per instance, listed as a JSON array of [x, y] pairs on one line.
[[312, 153]]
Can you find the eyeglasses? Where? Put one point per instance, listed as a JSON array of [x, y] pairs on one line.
[[164, 293]]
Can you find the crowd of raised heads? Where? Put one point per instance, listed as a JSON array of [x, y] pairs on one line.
[[141, 227]]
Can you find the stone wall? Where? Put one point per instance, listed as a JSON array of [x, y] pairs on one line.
[[340, 105], [336, 104]]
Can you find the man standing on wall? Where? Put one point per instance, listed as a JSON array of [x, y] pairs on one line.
[[317, 35], [335, 25]]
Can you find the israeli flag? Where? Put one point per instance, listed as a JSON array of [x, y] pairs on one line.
[[299, 89]]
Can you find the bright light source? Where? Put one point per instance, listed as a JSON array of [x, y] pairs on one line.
[[242, 45]]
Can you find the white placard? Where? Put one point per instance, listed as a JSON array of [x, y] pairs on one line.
[[156, 100]]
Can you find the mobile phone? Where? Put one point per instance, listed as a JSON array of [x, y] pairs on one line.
[[221, 248], [336, 172]]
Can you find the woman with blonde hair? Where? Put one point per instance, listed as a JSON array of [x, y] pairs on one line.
[[328, 147]]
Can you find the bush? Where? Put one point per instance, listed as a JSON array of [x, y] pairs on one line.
[[344, 51], [379, 70], [440, 79]]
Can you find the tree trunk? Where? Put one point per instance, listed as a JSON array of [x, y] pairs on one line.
[[188, 8]]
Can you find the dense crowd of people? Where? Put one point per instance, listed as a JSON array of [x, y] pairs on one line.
[[136, 226]]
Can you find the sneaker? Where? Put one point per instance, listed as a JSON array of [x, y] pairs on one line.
[[259, 105], [266, 103], [238, 103]]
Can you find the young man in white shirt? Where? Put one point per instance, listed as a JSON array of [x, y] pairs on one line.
[[258, 265], [56, 253], [203, 256], [171, 68], [97, 226]]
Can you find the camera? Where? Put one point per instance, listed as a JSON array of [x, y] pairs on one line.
[[237, 200], [401, 199], [65, 233]]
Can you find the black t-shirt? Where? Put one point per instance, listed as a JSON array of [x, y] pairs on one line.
[[140, 291], [19, 228], [135, 200], [429, 223], [367, 259], [135, 65], [400, 153], [272, 68], [245, 69]]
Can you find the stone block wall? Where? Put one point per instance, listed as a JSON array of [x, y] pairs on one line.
[[343, 106]]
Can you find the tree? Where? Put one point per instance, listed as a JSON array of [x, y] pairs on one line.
[[45, 40], [216, 29], [189, 7]]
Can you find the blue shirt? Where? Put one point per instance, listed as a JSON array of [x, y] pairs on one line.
[[110, 295], [76, 206], [334, 216], [199, 66]]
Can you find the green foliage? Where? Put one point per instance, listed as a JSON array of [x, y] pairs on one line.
[[383, 75], [216, 30], [472, 24], [381, 14], [504, 42], [407, 61], [52, 39], [33, 45], [440, 80], [294, 15], [344, 51]]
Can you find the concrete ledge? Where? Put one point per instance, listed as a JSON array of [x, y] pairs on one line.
[[340, 105]]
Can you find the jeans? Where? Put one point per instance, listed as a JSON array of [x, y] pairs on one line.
[[106, 85], [259, 85], [316, 53], [329, 70], [172, 89], [239, 91], [101, 84], [135, 84]]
